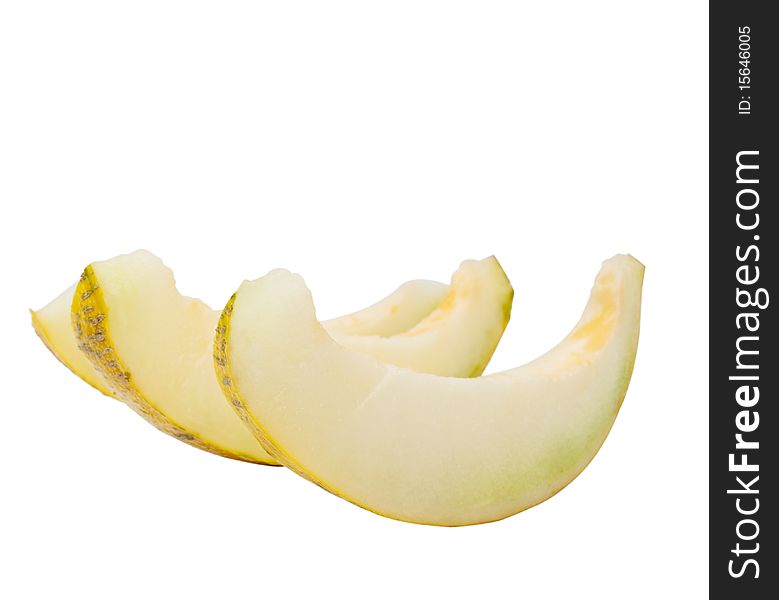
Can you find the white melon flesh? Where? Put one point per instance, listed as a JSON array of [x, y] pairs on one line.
[[420, 447], [155, 347], [401, 310], [398, 312]]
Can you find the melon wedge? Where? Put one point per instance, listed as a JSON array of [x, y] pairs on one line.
[[448, 342], [155, 346], [419, 447], [401, 310]]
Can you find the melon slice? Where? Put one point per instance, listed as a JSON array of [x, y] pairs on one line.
[[459, 337], [401, 310], [419, 447], [398, 312], [155, 346]]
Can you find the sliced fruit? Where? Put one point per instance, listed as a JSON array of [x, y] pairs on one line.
[[53, 325], [401, 310], [419, 447], [155, 346]]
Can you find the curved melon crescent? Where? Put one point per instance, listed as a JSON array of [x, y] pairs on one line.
[[418, 447], [401, 310], [155, 346]]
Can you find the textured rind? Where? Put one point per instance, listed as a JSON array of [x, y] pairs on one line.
[[91, 324], [40, 330]]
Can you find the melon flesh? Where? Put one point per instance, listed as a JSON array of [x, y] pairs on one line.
[[401, 310], [155, 348], [419, 447], [459, 337], [53, 325]]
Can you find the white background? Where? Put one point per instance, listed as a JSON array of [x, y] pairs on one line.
[[361, 144]]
